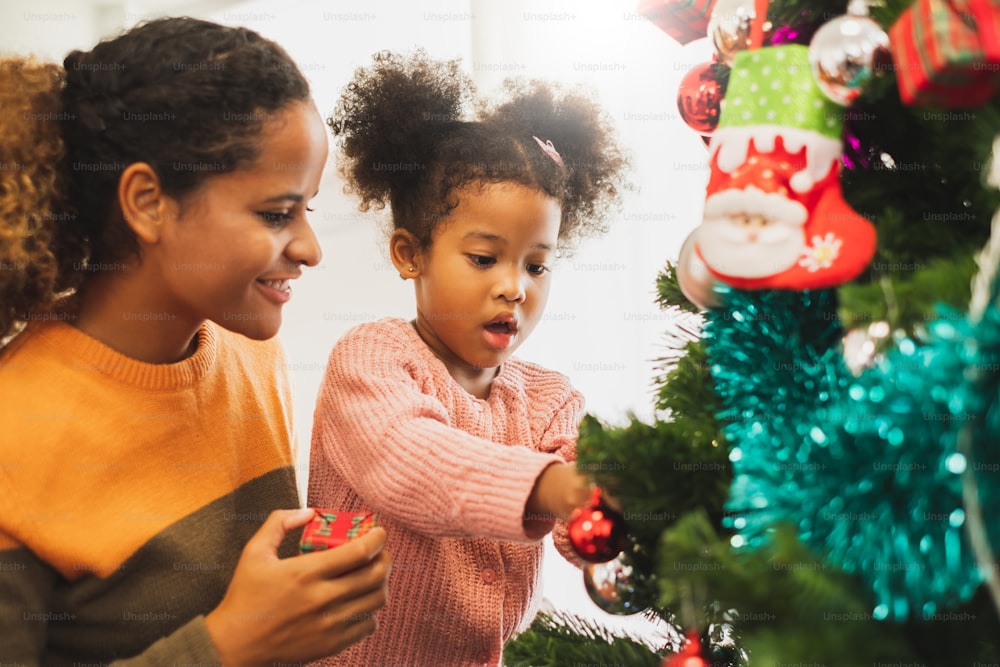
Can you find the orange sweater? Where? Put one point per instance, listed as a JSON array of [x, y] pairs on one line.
[[127, 491]]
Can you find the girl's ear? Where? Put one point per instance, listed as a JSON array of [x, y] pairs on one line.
[[404, 251], [144, 204]]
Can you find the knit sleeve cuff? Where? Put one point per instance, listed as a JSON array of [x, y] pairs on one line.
[[505, 482]]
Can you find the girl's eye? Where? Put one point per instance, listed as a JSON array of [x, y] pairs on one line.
[[482, 261], [537, 269]]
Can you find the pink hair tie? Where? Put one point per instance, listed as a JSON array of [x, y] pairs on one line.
[[550, 150]]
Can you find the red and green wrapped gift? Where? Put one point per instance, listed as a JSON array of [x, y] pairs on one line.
[[684, 20], [331, 528], [947, 53]]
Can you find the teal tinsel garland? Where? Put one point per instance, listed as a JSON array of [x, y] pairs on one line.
[[978, 345], [866, 467]]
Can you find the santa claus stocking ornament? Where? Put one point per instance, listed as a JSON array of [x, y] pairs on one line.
[[774, 214]]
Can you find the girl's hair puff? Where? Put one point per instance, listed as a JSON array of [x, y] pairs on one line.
[[407, 140], [37, 249]]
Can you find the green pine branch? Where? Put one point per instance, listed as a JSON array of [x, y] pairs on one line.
[[657, 472], [668, 291], [559, 640], [790, 606], [927, 195], [797, 12], [908, 298]]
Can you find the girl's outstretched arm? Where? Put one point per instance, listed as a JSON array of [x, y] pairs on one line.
[[396, 447]]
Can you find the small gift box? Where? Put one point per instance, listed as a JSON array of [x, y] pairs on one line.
[[331, 528], [684, 20], [939, 57]]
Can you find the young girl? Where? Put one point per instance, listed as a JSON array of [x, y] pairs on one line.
[[152, 215], [462, 450]]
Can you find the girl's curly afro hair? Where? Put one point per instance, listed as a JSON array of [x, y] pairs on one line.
[[411, 132]]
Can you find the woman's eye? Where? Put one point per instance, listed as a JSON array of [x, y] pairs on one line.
[[274, 218], [482, 261]]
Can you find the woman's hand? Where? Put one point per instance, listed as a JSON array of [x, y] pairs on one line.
[[300, 608]]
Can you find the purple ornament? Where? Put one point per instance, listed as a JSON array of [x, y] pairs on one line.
[[787, 34], [854, 156], [860, 151], [800, 32]]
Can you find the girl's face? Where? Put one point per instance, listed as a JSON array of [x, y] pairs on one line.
[[242, 236], [482, 284]]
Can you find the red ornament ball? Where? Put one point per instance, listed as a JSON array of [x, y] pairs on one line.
[[597, 533], [699, 98], [690, 655]]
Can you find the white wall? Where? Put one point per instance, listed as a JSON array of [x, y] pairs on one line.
[[48, 29], [601, 328]]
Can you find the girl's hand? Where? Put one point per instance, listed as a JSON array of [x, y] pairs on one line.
[[301, 608], [559, 490]]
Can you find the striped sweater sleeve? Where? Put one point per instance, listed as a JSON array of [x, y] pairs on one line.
[[392, 443], [26, 585]]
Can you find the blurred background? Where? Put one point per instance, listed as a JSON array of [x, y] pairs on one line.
[[602, 327]]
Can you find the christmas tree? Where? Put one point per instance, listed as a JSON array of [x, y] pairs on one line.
[[820, 486]]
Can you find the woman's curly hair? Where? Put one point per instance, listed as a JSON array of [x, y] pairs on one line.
[[37, 253], [411, 132]]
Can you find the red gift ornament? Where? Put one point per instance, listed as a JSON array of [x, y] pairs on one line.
[[597, 533], [946, 53], [684, 20], [331, 528]]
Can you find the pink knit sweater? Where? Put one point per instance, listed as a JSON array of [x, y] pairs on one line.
[[449, 475]]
